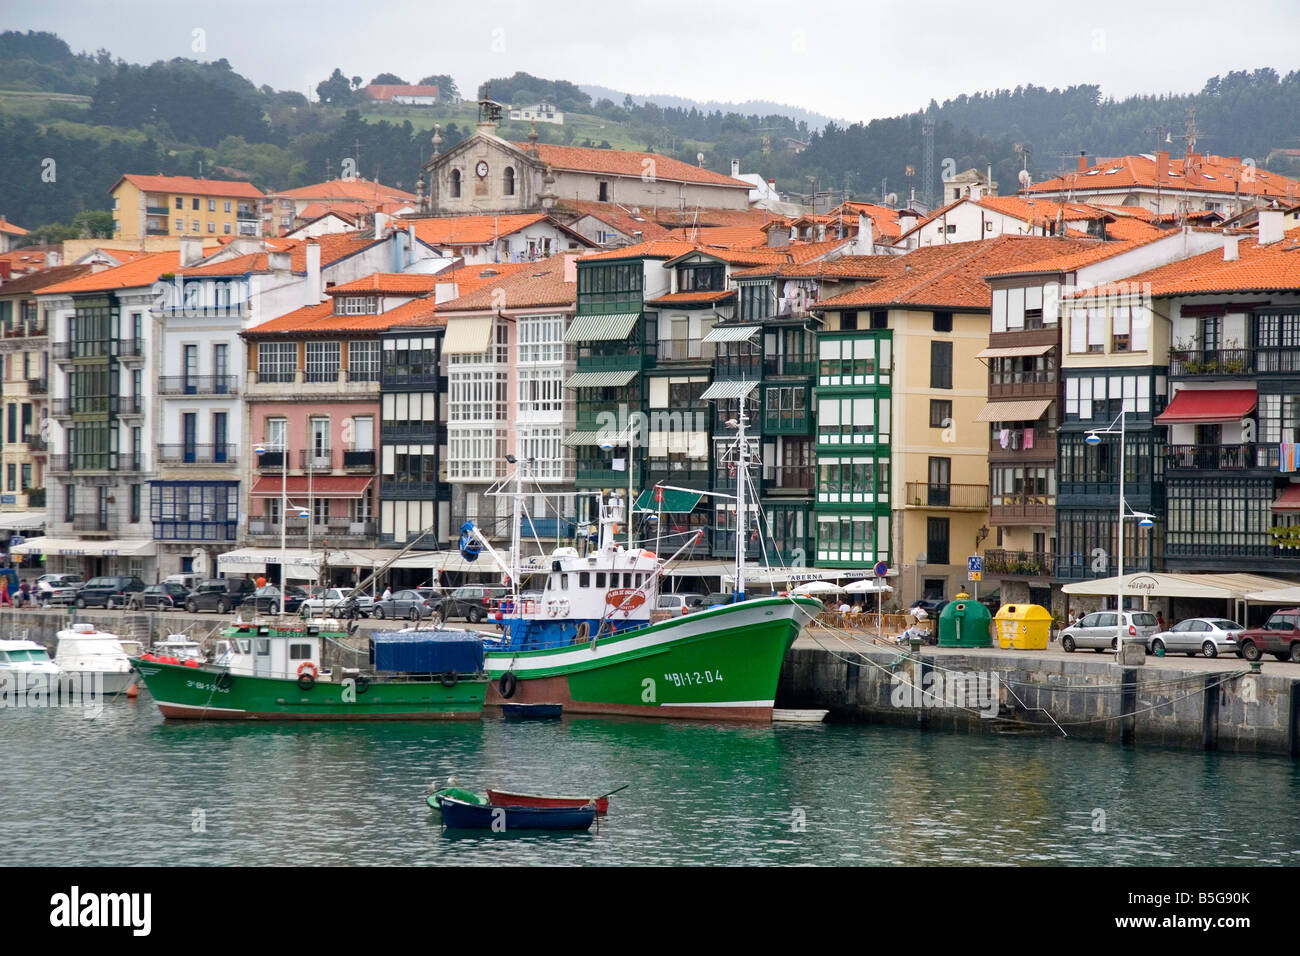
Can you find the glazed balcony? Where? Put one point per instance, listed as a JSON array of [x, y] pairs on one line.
[[1221, 457], [392, 488], [684, 350], [1024, 385], [786, 421], [359, 460], [787, 480], [1022, 509], [619, 361], [1019, 564], [397, 433], [334, 531], [920, 494]]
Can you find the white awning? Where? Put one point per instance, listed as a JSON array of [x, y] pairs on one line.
[[1227, 587], [299, 562], [595, 438], [1016, 351], [728, 390], [732, 333], [22, 520], [468, 335], [616, 379], [86, 547]]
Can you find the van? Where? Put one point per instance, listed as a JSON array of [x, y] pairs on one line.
[[1098, 630]]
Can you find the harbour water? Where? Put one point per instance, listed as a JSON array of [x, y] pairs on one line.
[[127, 788]]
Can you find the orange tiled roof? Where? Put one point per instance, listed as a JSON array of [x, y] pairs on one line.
[[190, 186], [886, 221], [392, 283], [617, 162], [845, 267], [1130, 229], [333, 247], [736, 237], [343, 208], [10, 228], [142, 271], [952, 276], [627, 220], [1271, 268], [363, 190], [692, 298], [469, 230], [37, 281], [673, 217], [528, 285], [649, 249], [1204, 173], [27, 259]]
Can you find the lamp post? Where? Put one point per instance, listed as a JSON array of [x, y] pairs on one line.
[[262, 449], [1145, 520]]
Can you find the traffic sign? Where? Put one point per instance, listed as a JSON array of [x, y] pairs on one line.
[[881, 569], [975, 564], [974, 575]]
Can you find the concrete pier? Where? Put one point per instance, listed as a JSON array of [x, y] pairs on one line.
[[1192, 703]]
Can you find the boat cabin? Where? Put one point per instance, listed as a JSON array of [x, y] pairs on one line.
[[85, 647], [268, 650], [25, 657]]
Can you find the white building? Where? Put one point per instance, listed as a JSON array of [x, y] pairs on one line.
[[537, 113]]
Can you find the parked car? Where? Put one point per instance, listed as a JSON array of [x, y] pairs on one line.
[[932, 607], [329, 602], [186, 579], [473, 602], [684, 603], [408, 603], [222, 595], [266, 600], [58, 588], [108, 591], [1280, 636], [1097, 630], [160, 597], [1210, 636]]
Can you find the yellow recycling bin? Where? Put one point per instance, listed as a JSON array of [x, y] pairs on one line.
[[1025, 627]]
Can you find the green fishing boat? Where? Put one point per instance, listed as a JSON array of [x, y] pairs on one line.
[[274, 672]]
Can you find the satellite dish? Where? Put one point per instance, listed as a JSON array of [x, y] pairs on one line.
[[1024, 177], [892, 199], [699, 158]]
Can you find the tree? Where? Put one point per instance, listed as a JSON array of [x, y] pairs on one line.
[[388, 79], [356, 82], [445, 84], [335, 91]]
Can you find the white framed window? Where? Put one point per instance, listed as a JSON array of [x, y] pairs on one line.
[[356, 305], [477, 396], [363, 360], [277, 361], [542, 448], [323, 361], [476, 452], [541, 391], [541, 338]]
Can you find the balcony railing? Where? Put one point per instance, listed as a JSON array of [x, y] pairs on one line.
[[126, 405], [920, 494], [335, 530], [316, 460], [130, 461], [794, 421], [1218, 362], [88, 405], [1022, 508], [35, 442], [96, 523], [25, 327], [1024, 444], [1027, 385], [359, 460], [128, 348], [684, 350], [186, 454], [790, 479], [423, 490], [38, 386], [270, 461], [198, 385], [1027, 564], [1222, 457], [611, 362], [400, 432]]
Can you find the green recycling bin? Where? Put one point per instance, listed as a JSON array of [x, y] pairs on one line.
[[964, 622]]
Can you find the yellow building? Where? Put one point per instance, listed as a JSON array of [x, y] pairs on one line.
[[151, 207]]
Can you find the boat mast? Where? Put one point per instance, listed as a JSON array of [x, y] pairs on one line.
[[516, 532], [742, 523]]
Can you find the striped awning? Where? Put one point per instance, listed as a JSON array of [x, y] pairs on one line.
[[598, 328], [732, 333], [1029, 411], [596, 438], [470, 335], [600, 379], [1018, 351], [729, 390]]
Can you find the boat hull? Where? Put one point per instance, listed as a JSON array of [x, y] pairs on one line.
[[111, 683], [507, 798], [465, 816], [719, 664], [194, 693]]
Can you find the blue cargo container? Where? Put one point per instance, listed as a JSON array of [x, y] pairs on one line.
[[426, 653]]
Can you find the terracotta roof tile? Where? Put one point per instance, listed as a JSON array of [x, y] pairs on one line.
[[1205, 173], [10, 228], [362, 190], [37, 281], [617, 162], [333, 247], [392, 283], [1271, 268], [692, 298], [130, 275], [469, 230], [626, 220], [190, 186], [527, 285]]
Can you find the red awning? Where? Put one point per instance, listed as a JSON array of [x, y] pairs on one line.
[[1205, 406], [322, 486], [1288, 500]]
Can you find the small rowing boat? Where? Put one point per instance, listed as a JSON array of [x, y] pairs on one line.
[[464, 815], [510, 798]]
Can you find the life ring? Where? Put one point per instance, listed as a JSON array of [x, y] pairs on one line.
[[508, 684], [552, 608], [561, 608], [450, 679], [306, 675]]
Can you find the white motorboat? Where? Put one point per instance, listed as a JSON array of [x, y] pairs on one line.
[[94, 658], [23, 663]]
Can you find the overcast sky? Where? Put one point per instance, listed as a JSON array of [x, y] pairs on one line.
[[856, 60]]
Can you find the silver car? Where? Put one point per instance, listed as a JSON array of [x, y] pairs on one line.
[[409, 603], [1098, 629], [1210, 636]]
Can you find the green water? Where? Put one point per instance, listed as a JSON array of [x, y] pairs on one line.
[[124, 788]]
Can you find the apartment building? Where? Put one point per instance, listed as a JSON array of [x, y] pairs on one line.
[[162, 207]]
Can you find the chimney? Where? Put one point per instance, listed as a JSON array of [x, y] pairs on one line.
[[53, 258], [191, 251], [1162, 166], [866, 239], [821, 232], [1270, 226], [444, 292], [314, 290], [570, 268], [279, 261], [6, 270], [381, 224], [1230, 251], [410, 243], [1083, 160], [735, 169]]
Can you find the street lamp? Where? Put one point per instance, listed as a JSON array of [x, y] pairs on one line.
[[1093, 437], [262, 449]]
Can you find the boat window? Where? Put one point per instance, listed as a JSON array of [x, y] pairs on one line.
[[564, 582], [584, 580], [244, 646], [600, 579], [299, 652], [263, 645], [627, 579], [640, 579], [555, 582], [4, 657]]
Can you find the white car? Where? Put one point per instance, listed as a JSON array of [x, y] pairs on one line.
[[1210, 636], [326, 602], [1099, 630]]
